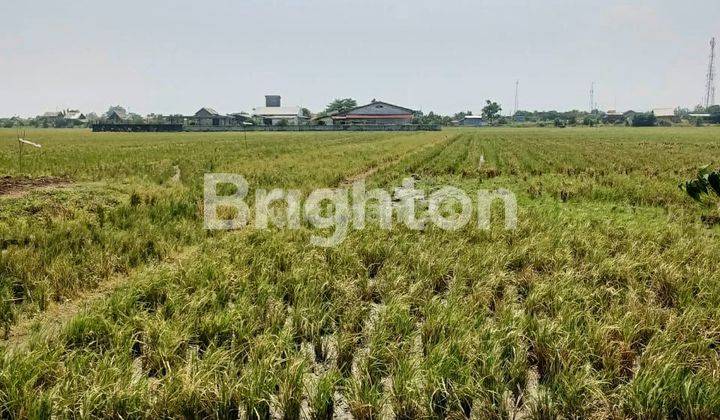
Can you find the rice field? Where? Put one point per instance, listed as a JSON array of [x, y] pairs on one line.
[[604, 302]]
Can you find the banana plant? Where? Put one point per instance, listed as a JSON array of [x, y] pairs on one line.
[[707, 181]]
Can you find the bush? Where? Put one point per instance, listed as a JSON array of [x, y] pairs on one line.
[[644, 120], [707, 181]]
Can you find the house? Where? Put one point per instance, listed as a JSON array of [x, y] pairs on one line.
[[613, 117], [375, 113], [52, 115], [273, 113], [208, 117], [117, 116], [666, 115], [472, 121], [242, 118], [73, 114]]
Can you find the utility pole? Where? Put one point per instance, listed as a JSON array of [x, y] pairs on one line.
[[710, 84]]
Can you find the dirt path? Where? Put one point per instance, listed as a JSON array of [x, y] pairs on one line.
[[19, 186]]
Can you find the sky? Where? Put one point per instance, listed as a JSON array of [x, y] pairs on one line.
[[173, 57]]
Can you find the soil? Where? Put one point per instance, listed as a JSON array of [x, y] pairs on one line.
[[17, 186]]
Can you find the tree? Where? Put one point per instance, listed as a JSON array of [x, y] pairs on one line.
[[682, 112], [341, 105], [462, 114], [136, 118], [644, 120], [491, 110], [430, 119], [306, 112]]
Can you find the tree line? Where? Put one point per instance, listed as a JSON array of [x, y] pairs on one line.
[[491, 114]]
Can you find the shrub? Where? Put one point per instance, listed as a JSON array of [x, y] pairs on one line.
[[644, 120]]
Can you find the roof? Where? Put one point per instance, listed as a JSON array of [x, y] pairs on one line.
[[74, 114], [374, 102], [472, 117], [52, 114], [120, 114], [278, 110], [664, 112], [207, 110], [323, 115], [374, 116]]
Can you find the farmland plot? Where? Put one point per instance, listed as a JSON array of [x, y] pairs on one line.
[[603, 302]]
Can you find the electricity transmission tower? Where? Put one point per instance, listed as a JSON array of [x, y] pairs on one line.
[[517, 85], [710, 85], [592, 97]]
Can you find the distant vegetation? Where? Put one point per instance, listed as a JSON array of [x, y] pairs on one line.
[[644, 120], [492, 112], [340, 105]]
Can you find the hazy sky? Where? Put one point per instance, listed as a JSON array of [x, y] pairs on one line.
[[176, 56]]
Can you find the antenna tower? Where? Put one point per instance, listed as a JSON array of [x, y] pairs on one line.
[[710, 84], [517, 86]]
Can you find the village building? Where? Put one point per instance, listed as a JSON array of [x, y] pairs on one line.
[[472, 121], [375, 113], [51, 115], [273, 113], [117, 116], [666, 115], [613, 117], [208, 117], [73, 114], [67, 114], [242, 118]]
